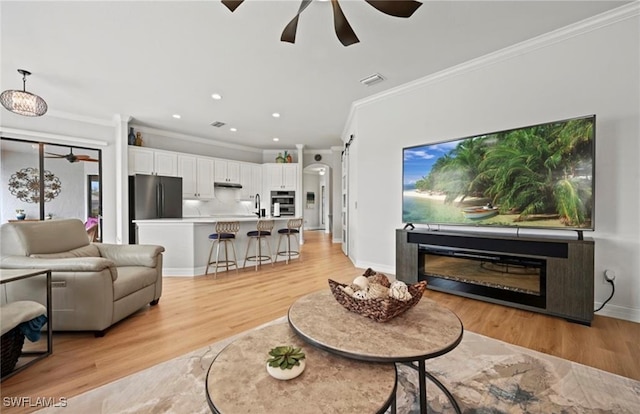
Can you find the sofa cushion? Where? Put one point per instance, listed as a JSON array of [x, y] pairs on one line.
[[86, 251], [43, 237], [131, 279]]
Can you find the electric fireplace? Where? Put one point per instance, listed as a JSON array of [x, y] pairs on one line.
[[505, 277]]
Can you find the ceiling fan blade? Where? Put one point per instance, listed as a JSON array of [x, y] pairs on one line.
[[289, 32], [345, 33], [85, 158], [232, 4], [397, 8], [55, 155]]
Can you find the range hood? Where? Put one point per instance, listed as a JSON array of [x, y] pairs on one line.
[[223, 184]]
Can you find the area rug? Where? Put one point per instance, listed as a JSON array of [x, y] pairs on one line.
[[485, 376]]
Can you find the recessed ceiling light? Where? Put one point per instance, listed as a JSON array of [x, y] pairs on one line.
[[276, 139], [275, 115], [216, 96], [176, 116], [232, 129]]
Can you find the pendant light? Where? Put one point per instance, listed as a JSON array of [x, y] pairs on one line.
[[23, 102]]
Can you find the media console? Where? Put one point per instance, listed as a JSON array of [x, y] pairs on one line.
[[548, 275]]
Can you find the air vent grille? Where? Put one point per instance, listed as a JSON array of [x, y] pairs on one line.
[[217, 124], [372, 79]]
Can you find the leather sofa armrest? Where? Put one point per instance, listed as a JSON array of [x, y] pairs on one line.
[[75, 264], [130, 254]]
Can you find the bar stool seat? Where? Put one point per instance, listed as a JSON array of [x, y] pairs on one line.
[[261, 234], [292, 230], [225, 234]]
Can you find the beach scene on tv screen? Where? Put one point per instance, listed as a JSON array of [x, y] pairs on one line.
[[538, 176]]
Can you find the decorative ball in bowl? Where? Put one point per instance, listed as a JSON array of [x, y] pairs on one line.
[[376, 297], [285, 362]]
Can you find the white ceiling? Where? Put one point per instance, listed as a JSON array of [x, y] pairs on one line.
[[152, 59]]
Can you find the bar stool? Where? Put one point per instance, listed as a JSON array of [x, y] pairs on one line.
[[292, 230], [262, 233], [226, 234]]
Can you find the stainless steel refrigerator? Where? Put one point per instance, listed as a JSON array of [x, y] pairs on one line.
[[153, 197]]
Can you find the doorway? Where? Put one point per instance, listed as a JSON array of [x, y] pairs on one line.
[[316, 197]]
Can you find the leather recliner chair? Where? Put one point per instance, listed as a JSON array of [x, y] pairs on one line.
[[94, 285]]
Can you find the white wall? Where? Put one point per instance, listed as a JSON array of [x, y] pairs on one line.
[[592, 68]]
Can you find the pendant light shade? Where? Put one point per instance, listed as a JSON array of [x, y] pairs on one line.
[[23, 102]]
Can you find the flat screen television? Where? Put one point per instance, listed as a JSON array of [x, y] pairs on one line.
[[539, 176]]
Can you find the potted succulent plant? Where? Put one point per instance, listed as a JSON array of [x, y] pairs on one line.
[[285, 362]]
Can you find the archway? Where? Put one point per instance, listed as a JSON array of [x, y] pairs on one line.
[[316, 197]]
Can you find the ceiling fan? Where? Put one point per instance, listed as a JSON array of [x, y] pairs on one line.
[[346, 35], [71, 157]]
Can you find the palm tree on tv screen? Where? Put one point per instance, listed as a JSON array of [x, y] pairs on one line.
[[541, 170]]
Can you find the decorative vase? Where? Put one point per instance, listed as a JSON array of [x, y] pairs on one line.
[[286, 374], [132, 137], [289, 159], [280, 159], [21, 216]]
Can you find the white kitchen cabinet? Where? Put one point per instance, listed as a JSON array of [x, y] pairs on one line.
[[227, 172], [279, 177], [251, 180], [153, 162], [197, 177]]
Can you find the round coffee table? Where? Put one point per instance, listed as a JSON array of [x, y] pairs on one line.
[[238, 382], [425, 331]]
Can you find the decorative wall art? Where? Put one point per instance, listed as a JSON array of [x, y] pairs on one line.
[[25, 185], [311, 199]]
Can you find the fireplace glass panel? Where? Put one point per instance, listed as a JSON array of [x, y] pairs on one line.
[[512, 278]]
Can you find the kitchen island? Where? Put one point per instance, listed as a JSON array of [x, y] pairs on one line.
[[186, 240]]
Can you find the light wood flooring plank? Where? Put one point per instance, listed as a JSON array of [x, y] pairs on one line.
[[194, 312]]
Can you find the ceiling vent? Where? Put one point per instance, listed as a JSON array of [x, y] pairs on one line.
[[217, 124], [372, 79]]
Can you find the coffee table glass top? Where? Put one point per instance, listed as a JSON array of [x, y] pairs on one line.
[[238, 382], [425, 331]]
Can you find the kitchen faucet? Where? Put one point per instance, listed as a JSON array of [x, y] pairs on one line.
[[258, 204]]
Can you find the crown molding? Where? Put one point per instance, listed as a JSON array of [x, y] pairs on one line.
[[48, 137], [80, 118], [184, 137], [547, 39]]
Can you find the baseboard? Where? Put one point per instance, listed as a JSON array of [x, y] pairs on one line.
[[619, 312], [179, 272], [378, 267]]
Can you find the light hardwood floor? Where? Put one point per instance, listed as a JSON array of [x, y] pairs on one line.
[[194, 312]]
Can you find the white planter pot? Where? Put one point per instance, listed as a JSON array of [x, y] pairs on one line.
[[286, 374]]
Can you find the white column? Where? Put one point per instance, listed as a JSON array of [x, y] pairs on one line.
[[122, 174], [299, 194]]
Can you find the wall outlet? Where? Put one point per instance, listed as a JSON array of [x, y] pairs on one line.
[[609, 275]]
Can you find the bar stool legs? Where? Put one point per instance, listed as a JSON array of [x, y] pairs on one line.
[[292, 230], [225, 234], [262, 233]]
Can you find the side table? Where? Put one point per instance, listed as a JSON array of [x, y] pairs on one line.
[[12, 275], [237, 381], [425, 331]]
